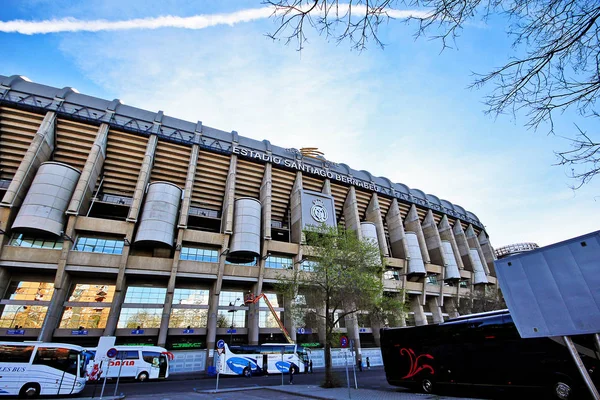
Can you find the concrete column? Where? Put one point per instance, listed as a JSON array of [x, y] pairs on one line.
[[446, 233], [416, 306], [166, 314], [451, 307], [253, 318], [189, 188], [396, 231], [4, 281], [211, 328], [433, 240], [326, 187], [39, 151], [463, 246], [373, 214], [266, 201], [350, 211], [488, 252], [61, 286], [413, 224], [288, 321], [473, 242], [353, 333], [375, 327], [143, 179], [296, 210], [229, 198], [436, 309], [84, 191], [120, 287]]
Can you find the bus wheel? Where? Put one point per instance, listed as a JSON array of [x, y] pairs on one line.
[[30, 391], [562, 390], [427, 385], [247, 372], [143, 377]]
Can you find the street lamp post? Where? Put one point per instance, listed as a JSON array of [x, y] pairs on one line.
[[232, 317], [15, 316]]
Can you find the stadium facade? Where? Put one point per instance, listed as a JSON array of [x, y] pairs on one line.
[[121, 221]]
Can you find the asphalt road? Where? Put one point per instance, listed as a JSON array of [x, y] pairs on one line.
[[368, 379]]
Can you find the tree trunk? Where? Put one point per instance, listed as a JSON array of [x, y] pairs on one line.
[[329, 379]]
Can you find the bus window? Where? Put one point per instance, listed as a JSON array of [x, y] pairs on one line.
[[15, 354], [128, 355], [58, 358], [151, 357]]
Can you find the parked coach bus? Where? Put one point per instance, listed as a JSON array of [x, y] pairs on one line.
[[30, 369], [485, 349], [269, 358], [138, 362]]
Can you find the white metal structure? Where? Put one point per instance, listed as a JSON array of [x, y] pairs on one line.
[[139, 362], [262, 359], [30, 369]]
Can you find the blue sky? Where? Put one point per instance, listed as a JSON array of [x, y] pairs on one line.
[[404, 112]]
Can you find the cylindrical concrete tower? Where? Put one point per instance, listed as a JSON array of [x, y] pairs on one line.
[[415, 263], [245, 240], [480, 276], [452, 272], [159, 215], [47, 199], [369, 232]]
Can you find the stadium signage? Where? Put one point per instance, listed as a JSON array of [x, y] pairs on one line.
[[305, 167]]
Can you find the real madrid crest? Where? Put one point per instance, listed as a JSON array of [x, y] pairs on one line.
[[318, 211]]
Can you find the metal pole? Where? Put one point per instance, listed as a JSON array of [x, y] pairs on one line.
[[282, 365], [119, 375], [347, 376], [218, 370], [354, 371], [104, 384], [597, 343], [581, 367]]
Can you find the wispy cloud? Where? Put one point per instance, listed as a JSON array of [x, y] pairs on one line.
[[193, 22]]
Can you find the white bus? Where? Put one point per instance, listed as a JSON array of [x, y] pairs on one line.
[[30, 369], [274, 358], [138, 362]]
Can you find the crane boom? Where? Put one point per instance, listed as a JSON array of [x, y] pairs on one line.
[[250, 298]]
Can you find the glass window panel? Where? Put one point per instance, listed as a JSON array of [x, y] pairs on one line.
[[191, 296], [199, 254], [236, 298], [88, 293], [279, 262], [145, 295], [192, 317], [225, 319], [142, 317], [87, 317], [273, 299], [15, 354], [267, 320], [22, 316], [25, 290]]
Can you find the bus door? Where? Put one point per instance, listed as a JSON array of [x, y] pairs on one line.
[[163, 366], [65, 362], [265, 363]]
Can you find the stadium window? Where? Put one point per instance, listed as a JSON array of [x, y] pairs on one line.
[[279, 262], [99, 245], [199, 254], [35, 242]]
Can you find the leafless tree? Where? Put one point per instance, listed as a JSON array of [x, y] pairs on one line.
[[556, 47]]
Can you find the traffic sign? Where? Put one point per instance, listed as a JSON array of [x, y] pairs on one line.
[[221, 344], [111, 353], [344, 342]]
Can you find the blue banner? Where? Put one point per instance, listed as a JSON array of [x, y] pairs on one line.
[[15, 332]]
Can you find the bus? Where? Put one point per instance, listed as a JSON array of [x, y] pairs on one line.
[[262, 359], [485, 349], [138, 362], [30, 369]]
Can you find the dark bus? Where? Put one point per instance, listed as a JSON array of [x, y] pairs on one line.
[[485, 349]]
